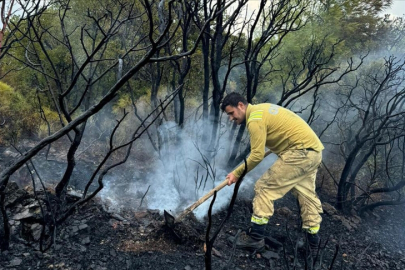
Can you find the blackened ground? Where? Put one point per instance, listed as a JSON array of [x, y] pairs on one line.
[[95, 239]]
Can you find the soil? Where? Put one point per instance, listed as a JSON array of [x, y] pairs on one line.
[[93, 238]]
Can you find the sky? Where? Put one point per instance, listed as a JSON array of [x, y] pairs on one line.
[[397, 9]]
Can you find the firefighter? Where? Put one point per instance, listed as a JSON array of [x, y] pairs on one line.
[[299, 152]]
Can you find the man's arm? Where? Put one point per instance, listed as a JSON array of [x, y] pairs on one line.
[[258, 135]]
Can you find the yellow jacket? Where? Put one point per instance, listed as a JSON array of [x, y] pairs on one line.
[[278, 129]]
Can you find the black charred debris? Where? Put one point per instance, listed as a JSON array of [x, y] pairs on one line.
[[95, 238]]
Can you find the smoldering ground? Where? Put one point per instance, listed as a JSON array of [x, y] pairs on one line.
[[181, 173], [172, 178]]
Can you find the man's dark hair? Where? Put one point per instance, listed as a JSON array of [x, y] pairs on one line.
[[233, 99]]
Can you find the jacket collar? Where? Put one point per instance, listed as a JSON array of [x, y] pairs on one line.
[[248, 111]]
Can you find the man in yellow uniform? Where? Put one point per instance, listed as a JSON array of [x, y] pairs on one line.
[[299, 153]]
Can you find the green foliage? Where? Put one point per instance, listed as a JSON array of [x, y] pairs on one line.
[[357, 22], [52, 119], [18, 115], [346, 28], [124, 102]]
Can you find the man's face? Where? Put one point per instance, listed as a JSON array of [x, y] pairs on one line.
[[237, 114]]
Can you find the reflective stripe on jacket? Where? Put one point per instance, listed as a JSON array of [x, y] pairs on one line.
[[278, 129]]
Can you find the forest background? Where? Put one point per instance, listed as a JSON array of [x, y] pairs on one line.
[[124, 96]]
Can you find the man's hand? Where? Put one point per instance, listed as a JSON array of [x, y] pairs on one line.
[[231, 179]]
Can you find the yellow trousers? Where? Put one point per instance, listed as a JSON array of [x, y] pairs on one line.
[[294, 170]]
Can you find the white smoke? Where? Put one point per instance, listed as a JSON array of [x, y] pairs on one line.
[[173, 182], [174, 186]]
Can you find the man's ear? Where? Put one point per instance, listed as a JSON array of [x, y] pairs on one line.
[[241, 106]]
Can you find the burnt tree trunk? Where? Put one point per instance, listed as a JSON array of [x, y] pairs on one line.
[[232, 162], [342, 187], [216, 58], [5, 240], [71, 161], [206, 87]]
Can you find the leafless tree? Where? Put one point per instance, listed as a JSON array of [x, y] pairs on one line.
[[221, 36], [272, 23], [6, 10], [225, 32], [13, 30], [391, 181], [181, 67], [316, 68], [370, 116], [73, 87]]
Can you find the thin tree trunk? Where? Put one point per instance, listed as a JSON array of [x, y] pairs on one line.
[[232, 157], [242, 155], [5, 240], [342, 187], [206, 87], [59, 190]]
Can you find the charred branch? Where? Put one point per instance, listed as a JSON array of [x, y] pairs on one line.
[[372, 206], [279, 19], [398, 186], [156, 41], [220, 37], [16, 33], [101, 173], [316, 70], [5, 240], [381, 113], [209, 241]]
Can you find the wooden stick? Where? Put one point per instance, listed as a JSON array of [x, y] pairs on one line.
[[201, 200], [207, 196]]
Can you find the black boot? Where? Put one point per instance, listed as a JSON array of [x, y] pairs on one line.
[[253, 239], [313, 242]]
